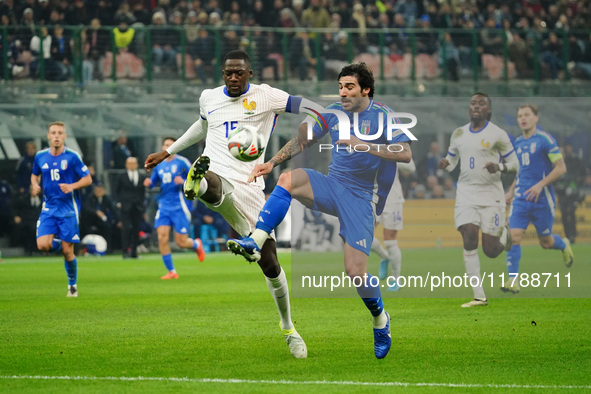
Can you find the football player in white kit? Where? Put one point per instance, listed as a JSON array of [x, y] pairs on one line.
[[221, 181], [484, 151], [392, 219]]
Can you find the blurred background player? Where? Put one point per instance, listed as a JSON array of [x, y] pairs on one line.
[[61, 172], [354, 190], [568, 189], [221, 181], [173, 210], [131, 194], [392, 219], [540, 164], [480, 146]]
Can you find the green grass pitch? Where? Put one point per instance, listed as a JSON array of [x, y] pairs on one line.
[[215, 329]]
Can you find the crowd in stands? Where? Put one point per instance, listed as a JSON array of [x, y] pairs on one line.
[[527, 31]]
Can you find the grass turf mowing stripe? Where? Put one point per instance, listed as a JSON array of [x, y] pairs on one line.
[[303, 382]]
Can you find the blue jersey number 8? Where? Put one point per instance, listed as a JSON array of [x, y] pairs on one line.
[[471, 163]]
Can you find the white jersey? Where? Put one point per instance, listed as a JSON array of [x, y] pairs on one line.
[[395, 196], [220, 114], [476, 186], [259, 107]]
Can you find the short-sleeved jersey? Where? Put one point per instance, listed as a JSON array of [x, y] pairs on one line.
[[67, 167], [474, 148], [171, 194], [536, 155], [362, 172], [259, 107]]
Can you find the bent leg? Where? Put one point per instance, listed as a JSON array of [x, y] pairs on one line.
[[183, 241], [291, 184], [45, 243], [491, 245]]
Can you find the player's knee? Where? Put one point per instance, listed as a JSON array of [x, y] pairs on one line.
[[546, 243], [470, 242], [355, 272], [390, 235], [285, 181], [492, 251], [44, 246]]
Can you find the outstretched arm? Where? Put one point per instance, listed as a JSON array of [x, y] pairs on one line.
[[292, 148], [194, 134]]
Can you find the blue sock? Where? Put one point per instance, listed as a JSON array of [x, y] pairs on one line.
[[274, 210], [513, 258], [558, 242], [72, 271], [56, 245], [167, 258], [371, 296]]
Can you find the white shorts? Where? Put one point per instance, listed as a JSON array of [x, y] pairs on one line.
[[240, 205], [391, 217], [491, 220]]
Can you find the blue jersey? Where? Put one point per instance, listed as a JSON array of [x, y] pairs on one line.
[[536, 155], [171, 194], [67, 167], [363, 173]]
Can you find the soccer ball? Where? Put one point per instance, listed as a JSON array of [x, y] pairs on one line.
[[245, 143]]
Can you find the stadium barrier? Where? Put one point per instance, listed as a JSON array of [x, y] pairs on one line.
[[395, 54], [430, 224]]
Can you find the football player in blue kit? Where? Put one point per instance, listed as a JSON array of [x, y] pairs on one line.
[[355, 188], [173, 211], [61, 172], [540, 164]]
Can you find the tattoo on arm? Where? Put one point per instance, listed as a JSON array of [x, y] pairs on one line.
[[293, 148]]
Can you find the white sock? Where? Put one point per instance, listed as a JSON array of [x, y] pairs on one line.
[[377, 247], [260, 237], [380, 320], [395, 257], [504, 236], [472, 264], [202, 187], [280, 292]]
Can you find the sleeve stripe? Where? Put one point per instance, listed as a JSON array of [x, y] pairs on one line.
[[293, 104], [512, 150], [203, 117], [451, 154]]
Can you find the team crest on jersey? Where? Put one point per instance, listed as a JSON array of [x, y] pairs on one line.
[[484, 144], [365, 126], [532, 147], [64, 164], [249, 107]]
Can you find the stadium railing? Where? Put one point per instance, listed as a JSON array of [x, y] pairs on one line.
[[315, 54]]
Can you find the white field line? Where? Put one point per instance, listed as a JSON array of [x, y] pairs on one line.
[[296, 382]]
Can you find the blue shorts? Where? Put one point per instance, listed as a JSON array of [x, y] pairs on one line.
[[65, 229], [356, 214], [541, 214], [177, 219]]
